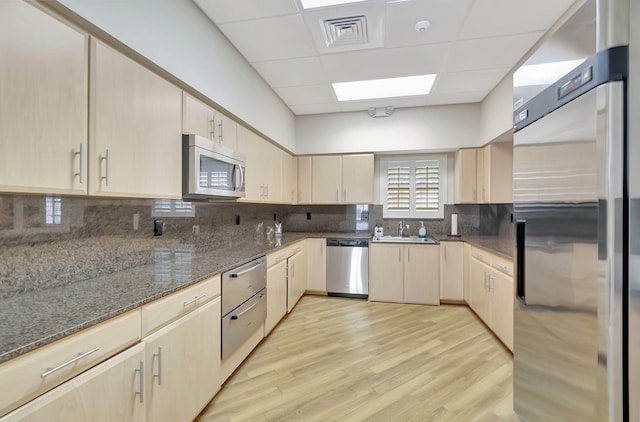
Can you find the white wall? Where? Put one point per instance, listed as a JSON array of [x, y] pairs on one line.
[[177, 36], [435, 128], [496, 111]]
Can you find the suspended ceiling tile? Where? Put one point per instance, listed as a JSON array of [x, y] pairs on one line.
[[507, 17], [292, 72], [313, 94], [301, 109], [385, 63], [283, 37], [223, 11], [489, 53], [445, 18], [467, 81]]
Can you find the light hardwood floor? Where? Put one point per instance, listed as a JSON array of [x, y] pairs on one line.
[[336, 359]]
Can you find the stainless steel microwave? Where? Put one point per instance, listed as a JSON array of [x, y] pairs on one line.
[[210, 170]]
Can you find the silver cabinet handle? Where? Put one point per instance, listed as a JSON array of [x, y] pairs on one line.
[[141, 371], [485, 280], [279, 258], [220, 131], [399, 254], [344, 196], [212, 132], [490, 282], [445, 252], [322, 249], [80, 172], [500, 266], [246, 270], [266, 196], [478, 255], [408, 255], [159, 374], [189, 302], [81, 355], [107, 172]]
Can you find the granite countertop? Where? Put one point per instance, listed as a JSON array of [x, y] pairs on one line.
[[498, 245], [36, 318]]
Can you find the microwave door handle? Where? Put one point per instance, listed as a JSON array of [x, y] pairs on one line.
[[239, 187]]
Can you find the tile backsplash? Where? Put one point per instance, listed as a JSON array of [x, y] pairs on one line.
[[47, 241]]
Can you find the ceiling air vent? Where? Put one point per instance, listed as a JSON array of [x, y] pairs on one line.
[[345, 31]]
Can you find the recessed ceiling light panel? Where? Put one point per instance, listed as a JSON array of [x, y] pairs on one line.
[[312, 4], [384, 88]]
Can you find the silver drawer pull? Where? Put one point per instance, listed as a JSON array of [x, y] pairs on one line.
[[247, 270], [234, 317], [189, 302], [81, 355], [500, 266], [159, 374]]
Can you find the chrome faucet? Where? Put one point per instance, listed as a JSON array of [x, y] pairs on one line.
[[401, 228]]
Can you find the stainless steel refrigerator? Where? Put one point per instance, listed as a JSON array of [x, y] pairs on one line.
[[574, 221]]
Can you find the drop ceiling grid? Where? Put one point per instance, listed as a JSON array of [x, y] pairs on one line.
[[471, 45]]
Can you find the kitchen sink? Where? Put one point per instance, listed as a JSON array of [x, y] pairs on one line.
[[398, 239]]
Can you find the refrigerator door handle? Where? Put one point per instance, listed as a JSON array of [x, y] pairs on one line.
[[520, 280]]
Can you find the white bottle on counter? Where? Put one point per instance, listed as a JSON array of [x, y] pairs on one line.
[[422, 232]]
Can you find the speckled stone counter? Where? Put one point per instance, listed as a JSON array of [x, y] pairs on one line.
[[35, 318], [498, 245]]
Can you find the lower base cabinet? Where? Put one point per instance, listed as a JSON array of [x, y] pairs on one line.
[[451, 271], [111, 391], [316, 250], [296, 276], [404, 273], [276, 295], [182, 365]]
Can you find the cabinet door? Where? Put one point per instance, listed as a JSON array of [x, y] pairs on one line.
[[483, 167], [422, 274], [451, 271], [304, 180], [466, 274], [357, 179], [135, 129], [107, 392], [386, 273], [502, 298], [182, 365], [289, 178], [297, 280], [465, 177], [276, 295], [43, 105], [226, 131], [316, 265], [272, 156], [481, 302], [255, 180], [501, 173], [326, 179], [197, 117]]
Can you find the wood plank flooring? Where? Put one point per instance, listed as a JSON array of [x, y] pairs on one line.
[[335, 359]]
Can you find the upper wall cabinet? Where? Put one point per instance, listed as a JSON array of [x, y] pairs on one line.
[[43, 102], [135, 129], [203, 120], [484, 175], [346, 179], [263, 174], [304, 180], [289, 178]]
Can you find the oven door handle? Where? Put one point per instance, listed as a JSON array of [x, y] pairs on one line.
[[260, 297]]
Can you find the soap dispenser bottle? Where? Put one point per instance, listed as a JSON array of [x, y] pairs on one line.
[[422, 232]]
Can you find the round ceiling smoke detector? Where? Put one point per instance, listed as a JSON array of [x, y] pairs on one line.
[[422, 25]]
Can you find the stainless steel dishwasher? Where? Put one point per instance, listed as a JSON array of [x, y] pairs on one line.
[[348, 267]]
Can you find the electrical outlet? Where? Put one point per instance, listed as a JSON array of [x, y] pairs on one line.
[[308, 216], [158, 227], [136, 221]]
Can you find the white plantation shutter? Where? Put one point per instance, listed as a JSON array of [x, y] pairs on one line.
[[413, 187], [399, 187], [172, 208]]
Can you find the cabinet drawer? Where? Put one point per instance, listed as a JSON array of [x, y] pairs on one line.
[[165, 310], [275, 257], [502, 264], [481, 255], [27, 376]]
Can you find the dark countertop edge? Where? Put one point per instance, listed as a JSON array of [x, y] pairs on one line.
[[493, 244], [288, 239]]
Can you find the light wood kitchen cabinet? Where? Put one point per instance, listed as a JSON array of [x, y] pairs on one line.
[[227, 130], [465, 176], [492, 294], [31, 374], [276, 294], [182, 365], [111, 391], [316, 265], [296, 276], [342, 179], [43, 105], [483, 170], [304, 180], [404, 273], [197, 117], [263, 178], [495, 173], [452, 271], [466, 273], [289, 178], [357, 179], [326, 179], [386, 273], [135, 127]]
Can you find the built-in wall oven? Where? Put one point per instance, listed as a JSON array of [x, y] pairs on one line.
[[244, 303]]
